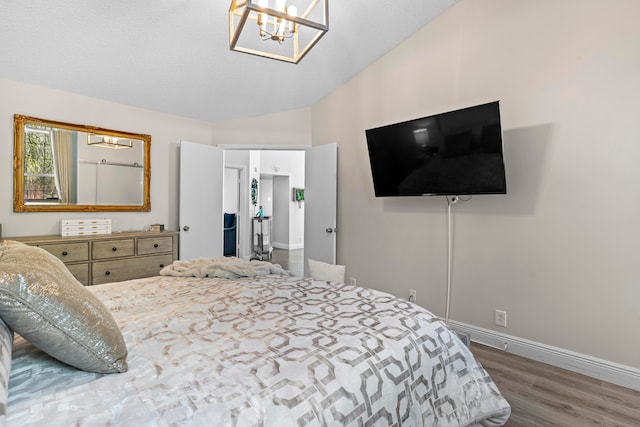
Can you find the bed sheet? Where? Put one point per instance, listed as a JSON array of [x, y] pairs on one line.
[[268, 351]]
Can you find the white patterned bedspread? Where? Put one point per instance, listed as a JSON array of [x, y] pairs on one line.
[[266, 351]]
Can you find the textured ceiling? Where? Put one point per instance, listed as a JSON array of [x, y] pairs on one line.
[[173, 55]]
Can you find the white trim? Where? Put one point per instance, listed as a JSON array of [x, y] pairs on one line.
[[242, 236], [601, 369], [259, 147], [288, 246]]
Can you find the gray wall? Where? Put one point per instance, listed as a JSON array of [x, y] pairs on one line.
[[559, 252]]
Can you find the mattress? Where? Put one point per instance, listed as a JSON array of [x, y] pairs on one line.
[[262, 351]]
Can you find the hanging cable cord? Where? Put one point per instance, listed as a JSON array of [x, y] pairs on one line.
[[450, 201]]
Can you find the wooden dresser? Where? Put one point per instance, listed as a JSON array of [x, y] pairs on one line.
[[115, 257]]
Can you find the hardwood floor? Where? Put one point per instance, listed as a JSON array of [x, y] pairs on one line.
[[540, 395], [292, 260], [543, 395]]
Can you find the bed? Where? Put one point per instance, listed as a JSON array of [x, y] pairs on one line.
[[265, 350]]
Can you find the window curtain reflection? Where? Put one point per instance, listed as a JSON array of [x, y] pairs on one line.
[[63, 153]]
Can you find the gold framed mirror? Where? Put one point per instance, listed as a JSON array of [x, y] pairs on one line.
[[79, 168]]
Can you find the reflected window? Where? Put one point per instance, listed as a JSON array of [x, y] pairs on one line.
[[40, 183]]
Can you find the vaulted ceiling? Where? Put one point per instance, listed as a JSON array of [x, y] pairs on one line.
[[173, 55]]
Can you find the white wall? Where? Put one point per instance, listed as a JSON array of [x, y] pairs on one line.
[[281, 208], [266, 195], [293, 128], [166, 132], [100, 182], [231, 193], [291, 164], [282, 128], [559, 252]]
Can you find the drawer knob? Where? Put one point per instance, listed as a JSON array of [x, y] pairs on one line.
[[155, 245], [65, 253], [161, 265], [114, 249], [106, 273]]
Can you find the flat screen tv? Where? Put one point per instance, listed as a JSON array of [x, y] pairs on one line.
[[454, 153]]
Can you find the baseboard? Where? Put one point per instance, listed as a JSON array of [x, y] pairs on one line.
[[288, 246], [601, 369]]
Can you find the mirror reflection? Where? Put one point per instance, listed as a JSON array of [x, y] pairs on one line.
[[62, 166]]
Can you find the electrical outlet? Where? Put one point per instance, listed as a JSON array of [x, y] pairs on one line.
[[501, 318], [353, 281], [412, 295]]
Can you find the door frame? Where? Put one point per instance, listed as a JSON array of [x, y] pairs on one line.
[[243, 194], [305, 148], [246, 253]]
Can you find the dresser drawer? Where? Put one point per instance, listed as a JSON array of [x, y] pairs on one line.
[[115, 257], [112, 249], [126, 269], [80, 272], [155, 245], [68, 252]]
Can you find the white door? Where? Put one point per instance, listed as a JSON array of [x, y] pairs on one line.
[[201, 186], [320, 199], [201, 201]]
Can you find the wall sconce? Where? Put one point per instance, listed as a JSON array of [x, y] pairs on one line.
[[283, 32]]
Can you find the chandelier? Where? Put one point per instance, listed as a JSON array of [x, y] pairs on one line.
[[108, 141], [285, 29]]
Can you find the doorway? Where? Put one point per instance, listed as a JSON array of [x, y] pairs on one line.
[[231, 208], [201, 198], [277, 173]]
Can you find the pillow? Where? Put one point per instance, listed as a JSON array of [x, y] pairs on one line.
[[42, 301], [323, 271], [6, 346]]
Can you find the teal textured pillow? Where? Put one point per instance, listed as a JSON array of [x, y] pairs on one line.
[[42, 301]]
